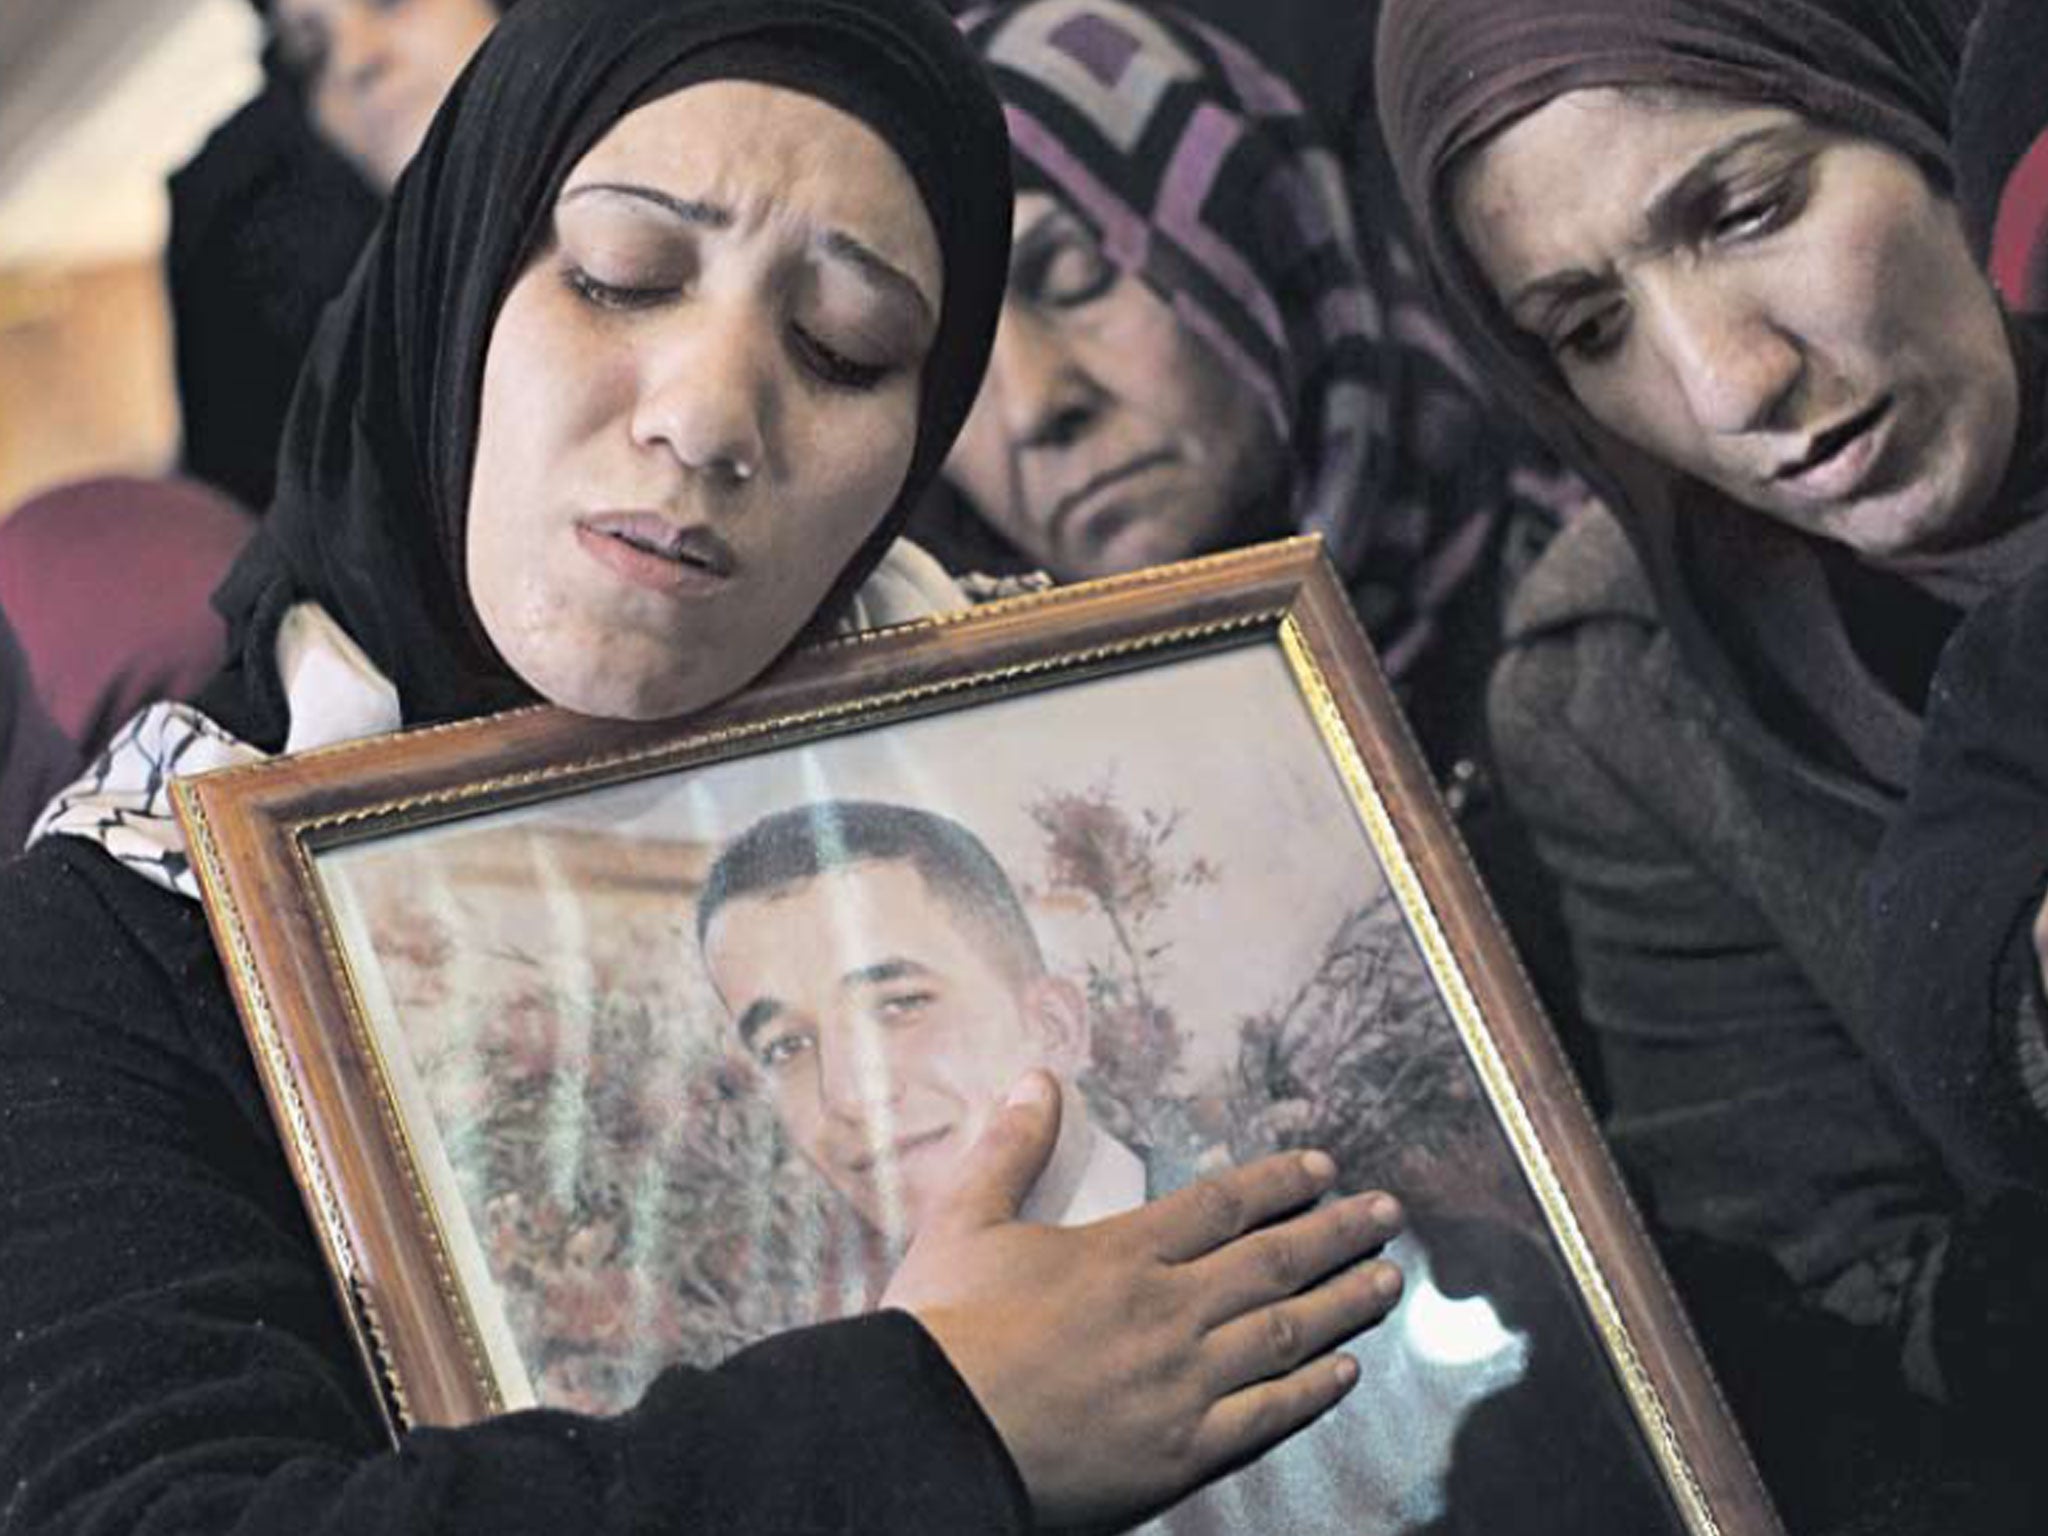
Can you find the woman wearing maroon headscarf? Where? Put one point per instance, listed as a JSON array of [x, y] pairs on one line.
[[1710, 247]]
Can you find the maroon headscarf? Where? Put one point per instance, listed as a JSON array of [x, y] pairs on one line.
[[1453, 73]]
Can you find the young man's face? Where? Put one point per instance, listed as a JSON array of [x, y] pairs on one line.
[[885, 1027]]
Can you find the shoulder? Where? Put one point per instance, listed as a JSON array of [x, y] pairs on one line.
[[81, 937], [1588, 574], [1586, 666]]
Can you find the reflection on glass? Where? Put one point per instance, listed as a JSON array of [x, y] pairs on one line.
[[700, 1052]]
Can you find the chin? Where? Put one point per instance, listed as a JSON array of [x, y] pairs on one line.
[[615, 692]]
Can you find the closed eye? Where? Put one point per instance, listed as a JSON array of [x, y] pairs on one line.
[[595, 291], [833, 367]]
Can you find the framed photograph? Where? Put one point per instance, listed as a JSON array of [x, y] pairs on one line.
[[601, 1046]]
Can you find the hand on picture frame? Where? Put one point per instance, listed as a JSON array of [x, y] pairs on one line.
[[1128, 1361]]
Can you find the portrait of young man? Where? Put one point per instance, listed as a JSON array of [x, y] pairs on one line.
[[885, 982]]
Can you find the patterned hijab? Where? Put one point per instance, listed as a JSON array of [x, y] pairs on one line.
[[1198, 171]]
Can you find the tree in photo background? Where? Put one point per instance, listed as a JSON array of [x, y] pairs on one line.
[[638, 1204], [634, 1199]]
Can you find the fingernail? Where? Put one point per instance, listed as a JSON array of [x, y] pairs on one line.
[[1319, 1166], [1386, 1281], [1347, 1372], [1385, 1210], [1033, 1091]]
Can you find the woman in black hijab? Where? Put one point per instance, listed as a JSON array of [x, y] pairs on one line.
[[675, 311]]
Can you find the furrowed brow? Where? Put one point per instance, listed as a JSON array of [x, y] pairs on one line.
[[688, 209], [1670, 211], [1668, 220]]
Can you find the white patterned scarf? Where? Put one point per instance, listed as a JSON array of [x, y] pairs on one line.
[[334, 693]]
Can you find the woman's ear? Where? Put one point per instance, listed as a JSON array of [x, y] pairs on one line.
[[1059, 1013]]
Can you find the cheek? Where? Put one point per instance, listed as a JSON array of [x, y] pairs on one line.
[[1636, 398], [1141, 355], [979, 462], [848, 469], [537, 393]]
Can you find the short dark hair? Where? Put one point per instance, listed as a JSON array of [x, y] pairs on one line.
[[799, 844]]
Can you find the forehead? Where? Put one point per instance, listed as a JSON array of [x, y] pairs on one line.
[[765, 153], [282, 11], [840, 918], [1571, 184]]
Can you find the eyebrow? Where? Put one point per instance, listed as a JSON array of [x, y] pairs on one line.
[[760, 1014], [1666, 217], [690, 210], [876, 268], [836, 243], [882, 972]]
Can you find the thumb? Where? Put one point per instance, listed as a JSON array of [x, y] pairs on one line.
[[998, 1171]]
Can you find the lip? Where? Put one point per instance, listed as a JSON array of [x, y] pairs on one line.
[[899, 1149], [1062, 526], [648, 550], [1839, 459]]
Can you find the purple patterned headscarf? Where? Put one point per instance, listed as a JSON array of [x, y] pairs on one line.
[[1198, 170]]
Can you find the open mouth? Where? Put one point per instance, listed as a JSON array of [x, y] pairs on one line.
[[649, 550], [1826, 458]]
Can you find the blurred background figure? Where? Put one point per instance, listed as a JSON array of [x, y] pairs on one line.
[[1214, 335], [2001, 139], [267, 219], [169, 330], [105, 583]]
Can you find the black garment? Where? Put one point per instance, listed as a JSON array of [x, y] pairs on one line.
[[266, 225], [36, 758], [171, 1356], [374, 474], [1955, 891], [170, 1353]]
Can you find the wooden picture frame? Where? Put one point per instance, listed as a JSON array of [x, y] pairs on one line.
[[463, 956]]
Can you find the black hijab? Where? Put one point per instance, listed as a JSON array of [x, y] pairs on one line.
[[373, 476]]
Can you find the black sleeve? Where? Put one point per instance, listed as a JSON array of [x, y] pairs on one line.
[[1955, 889], [171, 1358]]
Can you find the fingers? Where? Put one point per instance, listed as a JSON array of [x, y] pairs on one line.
[[1292, 1255], [1193, 1221], [1250, 1422], [1002, 1165], [1275, 1340]]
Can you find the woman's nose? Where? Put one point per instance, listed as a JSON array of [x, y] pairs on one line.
[[1739, 371], [1047, 397], [706, 390]]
